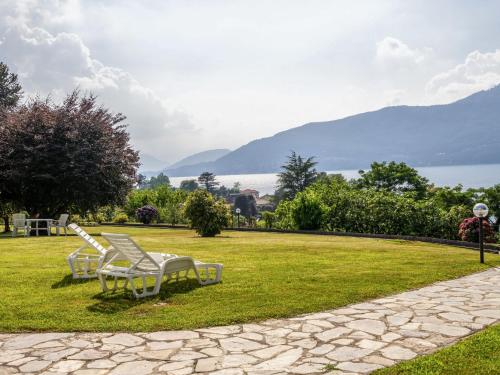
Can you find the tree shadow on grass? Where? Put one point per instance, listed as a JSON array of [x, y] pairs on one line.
[[120, 300], [68, 281]]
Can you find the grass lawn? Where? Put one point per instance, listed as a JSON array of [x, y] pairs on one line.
[[265, 275], [478, 354]]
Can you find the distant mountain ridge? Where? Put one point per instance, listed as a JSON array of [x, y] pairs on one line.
[[460, 133], [149, 162]]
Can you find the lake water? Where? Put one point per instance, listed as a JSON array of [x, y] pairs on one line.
[[483, 175]]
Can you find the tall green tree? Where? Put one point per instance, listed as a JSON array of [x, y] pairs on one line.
[[71, 156], [10, 88], [297, 174], [207, 180], [394, 177], [10, 94], [246, 203], [160, 180], [188, 185]]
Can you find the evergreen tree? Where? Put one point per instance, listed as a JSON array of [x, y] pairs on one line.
[[298, 173], [188, 185], [207, 180]]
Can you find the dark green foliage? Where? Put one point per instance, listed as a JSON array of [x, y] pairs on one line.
[[167, 200], [307, 211], [73, 156], [10, 93], [207, 215], [10, 89], [120, 218], [447, 197], [346, 208], [394, 177], [142, 181], [160, 180], [207, 180], [246, 203], [188, 185], [268, 218], [298, 173]]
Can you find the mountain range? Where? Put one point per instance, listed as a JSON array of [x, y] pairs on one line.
[[460, 133]]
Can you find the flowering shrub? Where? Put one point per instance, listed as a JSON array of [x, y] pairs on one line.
[[469, 230], [146, 214]]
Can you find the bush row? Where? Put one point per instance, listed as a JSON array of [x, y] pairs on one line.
[[337, 206]]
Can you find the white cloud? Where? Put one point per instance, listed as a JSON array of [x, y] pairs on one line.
[[480, 71], [57, 63], [394, 52], [394, 97]]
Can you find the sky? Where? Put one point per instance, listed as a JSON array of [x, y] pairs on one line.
[[192, 75]]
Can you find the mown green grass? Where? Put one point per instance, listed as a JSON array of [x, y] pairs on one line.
[[476, 355], [265, 275]]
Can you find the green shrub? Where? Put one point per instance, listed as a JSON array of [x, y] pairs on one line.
[[207, 215], [268, 218], [306, 211], [339, 206], [139, 198], [120, 217], [283, 215]]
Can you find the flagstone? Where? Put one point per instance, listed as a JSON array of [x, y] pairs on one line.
[[134, 368], [358, 367], [28, 341], [69, 365], [375, 327], [125, 339], [34, 366], [397, 352], [332, 333], [239, 344], [172, 335], [348, 353]]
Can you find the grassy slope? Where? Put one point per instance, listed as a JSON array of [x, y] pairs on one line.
[[476, 355], [265, 275]]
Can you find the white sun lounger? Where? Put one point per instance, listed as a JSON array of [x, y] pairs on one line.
[[89, 257], [145, 265], [85, 260]]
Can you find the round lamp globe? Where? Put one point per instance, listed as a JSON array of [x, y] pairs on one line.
[[480, 210]]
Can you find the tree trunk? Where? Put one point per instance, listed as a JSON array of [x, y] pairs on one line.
[[6, 224]]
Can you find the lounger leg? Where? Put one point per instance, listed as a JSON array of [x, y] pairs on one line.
[[156, 290], [134, 290], [72, 267], [102, 280]]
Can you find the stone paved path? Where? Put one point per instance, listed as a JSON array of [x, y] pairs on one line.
[[356, 339]]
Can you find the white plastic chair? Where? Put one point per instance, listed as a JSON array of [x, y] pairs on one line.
[[19, 223], [85, 260], [62, 222], [156, 265], [141, 265]]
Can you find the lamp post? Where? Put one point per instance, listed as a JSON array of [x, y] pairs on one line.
[[481, 211], [238, 211]]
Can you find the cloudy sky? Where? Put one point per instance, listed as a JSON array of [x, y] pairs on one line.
[[192, 75]]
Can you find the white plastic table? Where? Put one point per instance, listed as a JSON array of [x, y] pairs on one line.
[[36, 227]]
